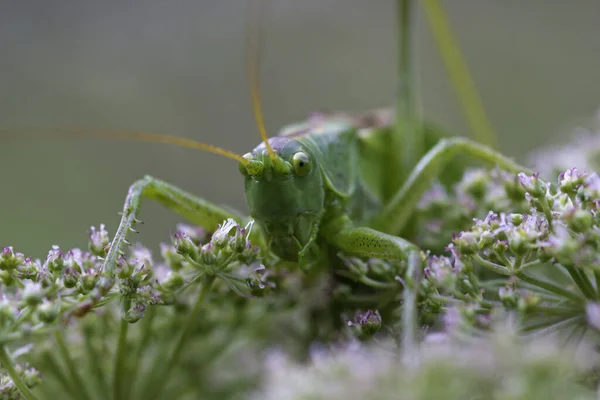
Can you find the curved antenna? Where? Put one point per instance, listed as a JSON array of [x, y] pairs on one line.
[[254, 30], [131, 135]]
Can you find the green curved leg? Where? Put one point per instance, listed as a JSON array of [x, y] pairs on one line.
[[192, 208], [401, 206]]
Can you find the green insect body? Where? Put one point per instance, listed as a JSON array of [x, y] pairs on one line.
[[340, 192]]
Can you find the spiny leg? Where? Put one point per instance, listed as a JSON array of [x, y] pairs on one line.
[[194, 209], [399, 209]]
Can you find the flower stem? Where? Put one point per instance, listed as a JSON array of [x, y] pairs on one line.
[[409, 313], [119, 369], [550, 287], [94, 366], [10, 368], [582, 281], [56, 369], [75, 378], [159, 385], [492, 266]]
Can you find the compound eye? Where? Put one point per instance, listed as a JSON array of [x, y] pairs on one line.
[[242, 167], [301, 163]]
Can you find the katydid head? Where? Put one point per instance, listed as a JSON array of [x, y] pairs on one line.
[[285, 193]]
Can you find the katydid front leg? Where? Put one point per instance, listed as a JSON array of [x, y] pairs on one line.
[[395, 214], [194, 209]]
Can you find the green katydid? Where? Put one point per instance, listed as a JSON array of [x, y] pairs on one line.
[[335, 183], [329, 183]]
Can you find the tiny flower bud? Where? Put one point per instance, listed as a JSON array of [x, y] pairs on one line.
[[207, 254], [369, 323], [124, 268], [48, 312], [509, 297], [83, 308], [29, 269], [70, 278], [528, 302], [516, 219], [258, 281], [73, 260], [196, 233], [579, 220], [33, 294], [54, 260], [8, 313], [99, 241], [88, 280], [485, 239], [466, 242], [221, 236], [500, 246], [174, 281], [134, 314], [31, 377], [172, 258], [476, 183], [440, 273], [184, 245], [569, 180], [533, 185], [105, 284], [238, 242], [10, 260]]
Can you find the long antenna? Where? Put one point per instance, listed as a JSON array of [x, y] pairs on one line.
[[254, 31], [78, 133]]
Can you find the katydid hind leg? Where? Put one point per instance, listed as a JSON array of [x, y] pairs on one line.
[[399, 209], [192, 208], [366, 242]]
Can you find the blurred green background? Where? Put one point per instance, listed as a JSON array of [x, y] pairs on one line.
[[178, 67]]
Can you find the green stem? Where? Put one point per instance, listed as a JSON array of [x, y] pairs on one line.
[[120, 356], [557, 310], [146, 334], [18, 336], [75, 378], [550, 287], [170, 364], [529, 265], [410, 140], [555, 326], [379, 285], [497, 268], [56, 369], [518, 262], [10, 368], [409, 314], [93, 364], [582, 281]]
